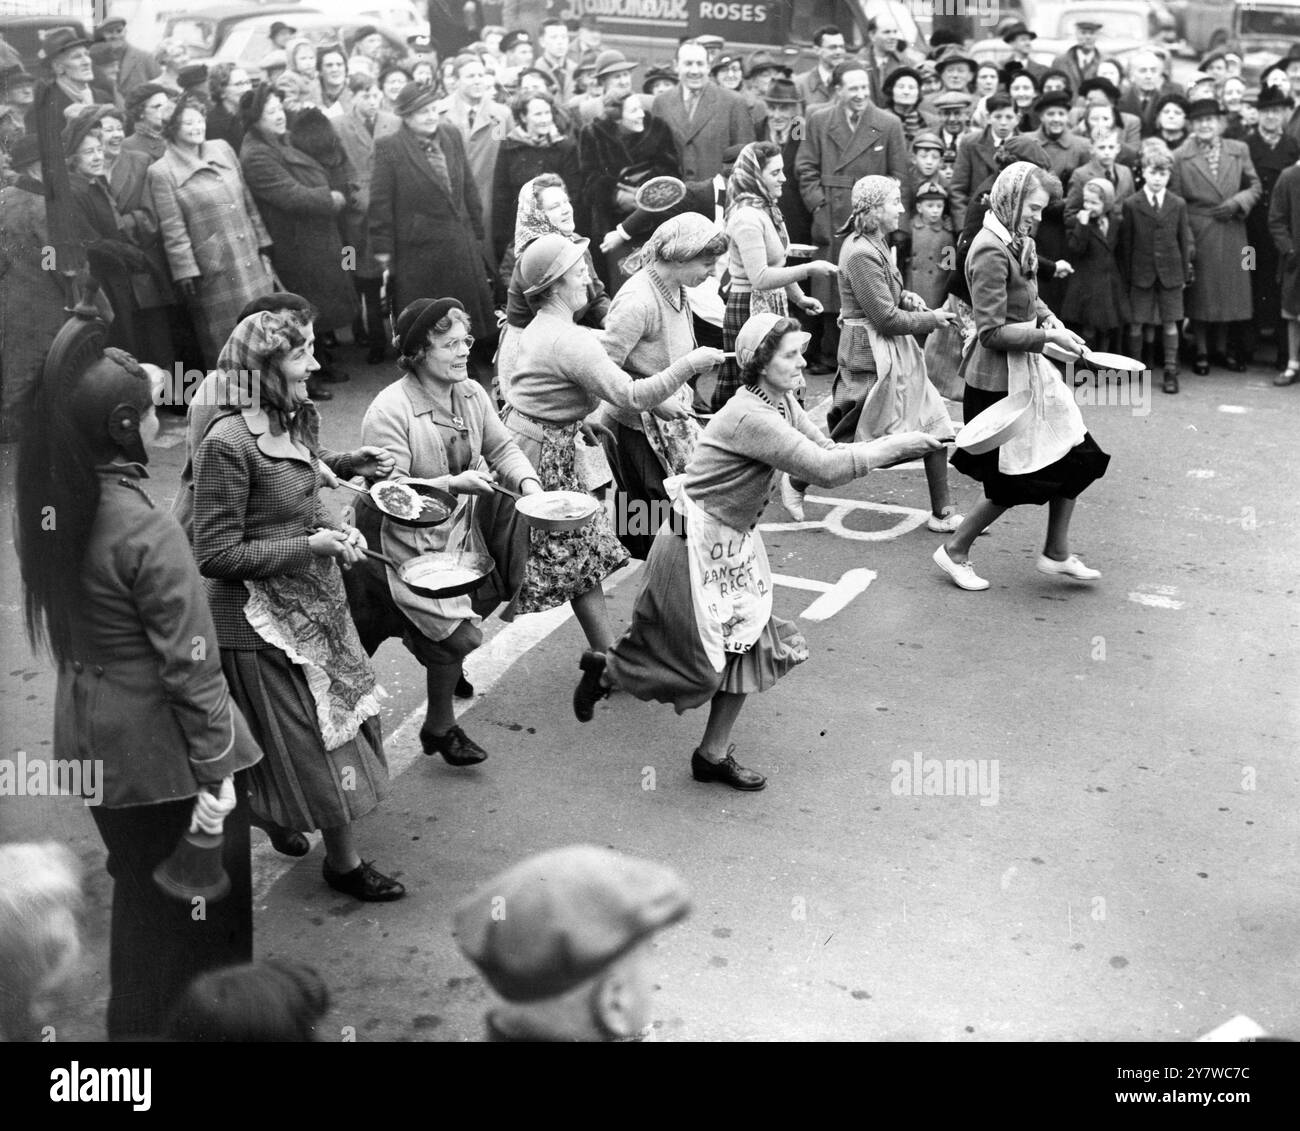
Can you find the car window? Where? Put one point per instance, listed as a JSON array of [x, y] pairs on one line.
[[199, 33]]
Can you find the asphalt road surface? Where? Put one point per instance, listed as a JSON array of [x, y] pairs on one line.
[[1049, 810]]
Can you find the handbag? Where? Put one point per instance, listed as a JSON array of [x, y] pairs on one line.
[[634, 176]]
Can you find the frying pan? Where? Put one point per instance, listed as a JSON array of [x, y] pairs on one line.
[[1094, 360], [996, 424], [416, 573], [442, 506], [532, 508]]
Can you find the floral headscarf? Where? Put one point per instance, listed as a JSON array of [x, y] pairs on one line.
[[746, 189], [530, 219], [677, 240], [1007, 202], [247, 361], [869, 193]]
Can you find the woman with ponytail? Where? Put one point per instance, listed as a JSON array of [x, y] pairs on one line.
[[112, 593]]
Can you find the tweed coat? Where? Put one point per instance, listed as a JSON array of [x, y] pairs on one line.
[[1221, 290], [721, 120], [256, 502], [604, 150], [138, 67], [518, 162], [213, 233], [1284, 227], [871, 287], [293, 195], [976, 161], [359, 144], [31, 298], [1155, 248], [813, 89], [1070, 62], [830, 161], [436, 240], [492, 122]]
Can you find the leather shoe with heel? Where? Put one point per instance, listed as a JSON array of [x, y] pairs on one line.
[[589, 688], [728, 772], [364, 882], [287, 842], [456, 747]]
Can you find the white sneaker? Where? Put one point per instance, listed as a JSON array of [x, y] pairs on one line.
[[1071, 567], [791, 499], [963, 573], [945, 525]]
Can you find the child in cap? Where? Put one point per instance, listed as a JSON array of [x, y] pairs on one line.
[[926, 165], [931, 252], [1095, 300], [1155, 255]]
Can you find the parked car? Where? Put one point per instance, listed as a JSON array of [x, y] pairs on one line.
[[205, 28], [24, 32], [1266, 28], [1127, 25], [247, 41]]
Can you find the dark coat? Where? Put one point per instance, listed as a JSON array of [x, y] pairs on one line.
[[1068, 61], [603, 151], [225, 126], [1221, 290], [976, 162], [435, 239], [1155, 247], [518, 162], [1131, 103], [293, 195], [1002, 301], [1269, 161], [1284, 226], [832, 158], [1095, 294], [721, 120], [359, 144], [798, 220]]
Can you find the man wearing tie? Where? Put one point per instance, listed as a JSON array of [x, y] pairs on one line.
[[1080, 61], [1146, 70], [482, 122], [815, 84], [704, 118], [843, 141]]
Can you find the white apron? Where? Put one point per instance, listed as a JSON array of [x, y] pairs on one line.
[[1056, 424]]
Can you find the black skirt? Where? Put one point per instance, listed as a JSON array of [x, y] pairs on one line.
[[1066, 478]]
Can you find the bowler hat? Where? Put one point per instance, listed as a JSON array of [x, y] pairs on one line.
[[887, 87], [413, 97], [556, 920], [60, 39], [657, 74], [1204, 108], [1018, 28], [547, 258], [758, 61], [612, 63], [782, 92]]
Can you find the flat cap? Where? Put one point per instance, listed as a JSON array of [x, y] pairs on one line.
[[951, 100], [927, 139], [931, 190], [559, 918]]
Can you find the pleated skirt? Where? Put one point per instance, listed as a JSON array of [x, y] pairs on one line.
[[660, 656], [298, 783]]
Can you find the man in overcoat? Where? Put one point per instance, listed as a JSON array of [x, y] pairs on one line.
[[704, 118]]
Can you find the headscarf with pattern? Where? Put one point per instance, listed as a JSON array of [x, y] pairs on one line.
[[677, 240], [746, 189], [532, 221], [248, 361], [1007, 203], [869, 193]]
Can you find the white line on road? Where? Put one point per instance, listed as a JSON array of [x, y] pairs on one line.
[[1156, 601]]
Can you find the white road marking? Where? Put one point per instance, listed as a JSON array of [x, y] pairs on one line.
[[1235, 409], [840, 508], [1200, 473], [483, 668], [1156, 601], [850, 584]]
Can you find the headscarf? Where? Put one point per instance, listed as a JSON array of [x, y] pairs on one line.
[[531, 221], [746, 189], [1007, 202], [869, 193], [247, 363], [677, 240]]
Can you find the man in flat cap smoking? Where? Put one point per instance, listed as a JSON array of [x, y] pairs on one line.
[[563, 938]]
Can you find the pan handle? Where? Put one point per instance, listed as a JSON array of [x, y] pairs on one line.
[[382, 558], [352, 487], [506, 491]]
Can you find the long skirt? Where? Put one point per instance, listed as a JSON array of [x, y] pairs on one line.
[[560, 566], [660, 656], [1066, 478], [299, 784]]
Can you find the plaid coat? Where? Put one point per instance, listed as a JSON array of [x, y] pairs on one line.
[[293, 194], [212, 232], [256, 503]]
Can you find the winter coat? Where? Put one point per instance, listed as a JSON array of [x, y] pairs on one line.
[[435, 238], [359, 144], [1221, 290], [1095, 294], [721, 120], [212, 232], [1284, 226], [604, 150], [492, 122], [293, 195], [518, 162]]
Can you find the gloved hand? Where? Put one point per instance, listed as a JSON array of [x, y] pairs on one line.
[[210, 808]]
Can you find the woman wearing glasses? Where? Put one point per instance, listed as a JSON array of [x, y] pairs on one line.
[[440, 426]]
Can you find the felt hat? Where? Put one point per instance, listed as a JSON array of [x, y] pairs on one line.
[[513, 39], [782, 92], [612, 63], [1204, 108], [558, 919], [887, 87], [657, 74], [724, 60], [1011, 31], [1269, 98], [1098, 82], [759, 61], [547, 258], [413, 97], [60, 39], [414, 323], [1052, 98]]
